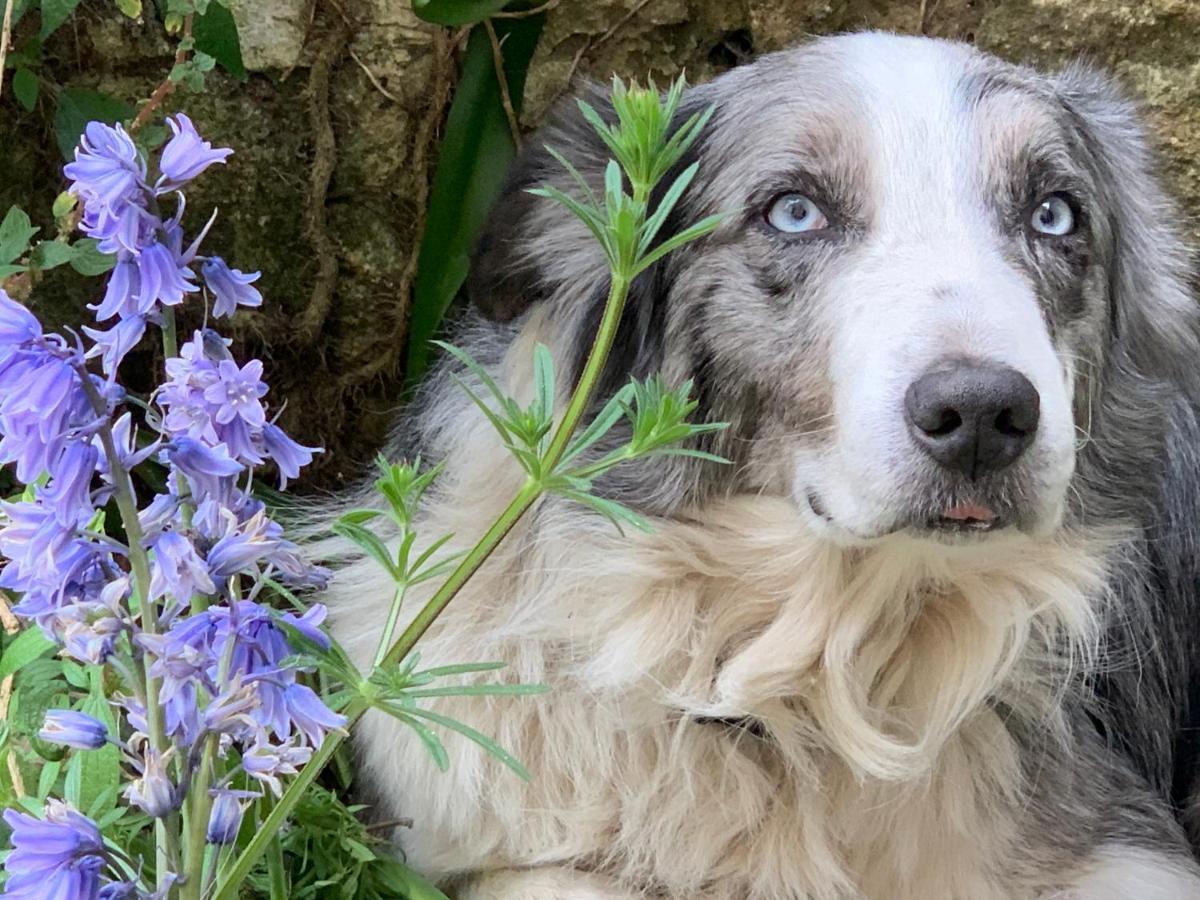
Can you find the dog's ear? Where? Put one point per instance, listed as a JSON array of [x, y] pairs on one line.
[[534, 251], [1153, 311]]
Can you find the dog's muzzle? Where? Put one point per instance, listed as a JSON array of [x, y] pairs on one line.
[[972, 417]]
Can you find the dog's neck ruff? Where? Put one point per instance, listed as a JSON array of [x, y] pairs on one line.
[[885, 682], [876, 655]]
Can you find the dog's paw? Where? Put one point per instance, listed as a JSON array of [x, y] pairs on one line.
[[542, 884]]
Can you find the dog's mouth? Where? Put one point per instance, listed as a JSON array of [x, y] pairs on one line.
[[966, 518]]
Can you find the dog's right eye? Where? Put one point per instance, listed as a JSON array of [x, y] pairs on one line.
[[794, 213]]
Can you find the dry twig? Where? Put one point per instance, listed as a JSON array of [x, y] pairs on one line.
[[166, 85], [505, 98], [5, 37]]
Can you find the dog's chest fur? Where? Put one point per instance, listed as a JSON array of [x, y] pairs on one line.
[[879, 764]]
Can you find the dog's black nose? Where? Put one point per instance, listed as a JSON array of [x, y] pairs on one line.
[[972, 417]]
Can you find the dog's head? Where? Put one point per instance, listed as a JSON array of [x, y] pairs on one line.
[[933, 268]]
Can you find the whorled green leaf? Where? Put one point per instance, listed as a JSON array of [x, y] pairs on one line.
[[472, 166]]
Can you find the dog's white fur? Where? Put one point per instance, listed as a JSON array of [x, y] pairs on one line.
[[870, 668], [880, 671]]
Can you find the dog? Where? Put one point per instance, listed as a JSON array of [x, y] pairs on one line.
[[931, 634]]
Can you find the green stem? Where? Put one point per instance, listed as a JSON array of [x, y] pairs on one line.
[[166, 846], [582, 395], [531, 490], [275, 869], [200, 803], [229, 885], [389, 628]]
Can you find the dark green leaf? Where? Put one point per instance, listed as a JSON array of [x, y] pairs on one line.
[[54, 13], [471, 169], [25, 88], [216, 34], [87, 260], [457, 12], [15, 232], [77, 107], [6, 270]]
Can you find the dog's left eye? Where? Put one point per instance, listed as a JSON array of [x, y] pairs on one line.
[[1053, 216], [794, 213]]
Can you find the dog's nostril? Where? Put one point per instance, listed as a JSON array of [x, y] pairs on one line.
[[1006, 423], [948, 421], [972, 417]]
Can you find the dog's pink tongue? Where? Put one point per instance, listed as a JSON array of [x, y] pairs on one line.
[[963, 512]]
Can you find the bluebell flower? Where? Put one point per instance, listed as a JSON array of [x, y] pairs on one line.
[[266, 762], [177, 569], [124, 437], [185, 156], [69, 491], [162, 277], [88, 628], [113, 345], [230, 288], [122, 291], [309, 715], [42, 404], [108, 169], [73, 729], [238, 393], [154, 793], [17, 324], [60, 856], [226, 817], [289, 456]]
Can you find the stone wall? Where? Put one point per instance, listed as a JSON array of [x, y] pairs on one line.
[[336, 129]]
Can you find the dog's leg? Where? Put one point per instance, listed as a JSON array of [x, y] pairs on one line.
[[541, 884]]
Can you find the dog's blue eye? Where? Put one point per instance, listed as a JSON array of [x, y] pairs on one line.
[[794, 213], [1053, 216]]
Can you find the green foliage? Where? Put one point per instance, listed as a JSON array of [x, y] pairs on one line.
[[336, 857], [645, 151], [476, 151], [77, 107], [215, 34], [457, 12]]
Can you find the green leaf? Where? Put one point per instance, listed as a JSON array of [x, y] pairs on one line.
[[54, 13], [25, 88], [29, 645], [131, 8], [471, 170], [478, 737], [703, 227], [216, 34], [6, 270], [87, 260], [77, 107], [457, 12], [99, 771], [48, 778], [15, 232], [370, 544], [51, 254]]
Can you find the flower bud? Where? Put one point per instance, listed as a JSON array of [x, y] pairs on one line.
[[154, 793], [226, 816], [74, 729]]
